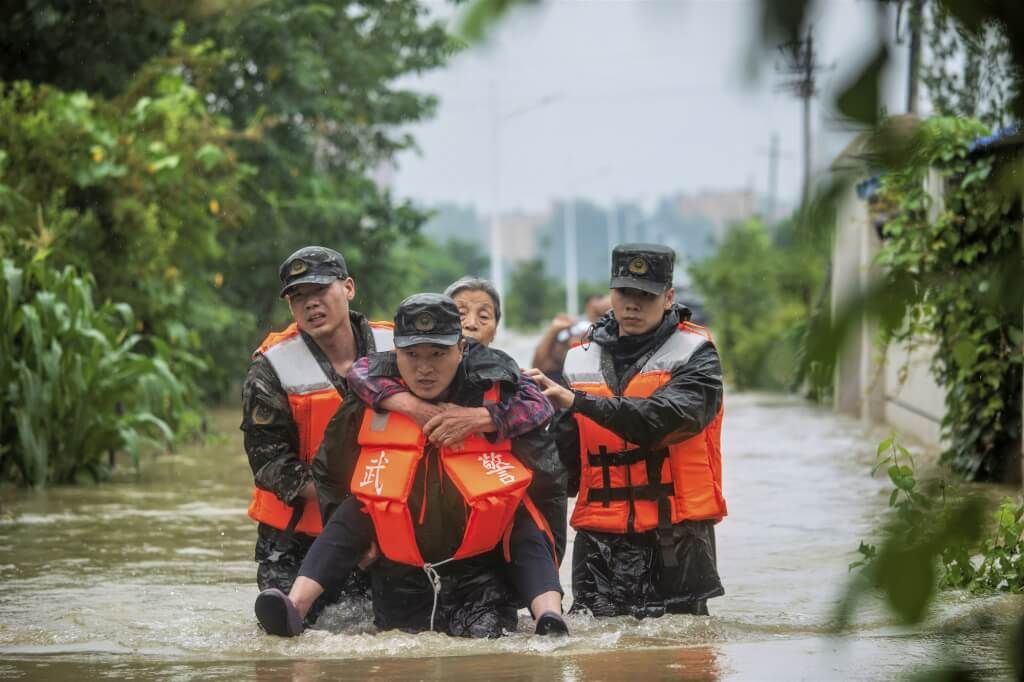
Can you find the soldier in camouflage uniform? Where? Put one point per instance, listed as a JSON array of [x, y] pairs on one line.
[[293, 387]]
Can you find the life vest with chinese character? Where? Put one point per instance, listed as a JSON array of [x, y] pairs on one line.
[[491, 481], [313, 400], [626, 488]]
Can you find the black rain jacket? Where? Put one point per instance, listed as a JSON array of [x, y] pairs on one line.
[[623, 574]]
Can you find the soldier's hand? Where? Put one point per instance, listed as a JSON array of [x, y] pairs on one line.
[[559, 395], [450, 427]]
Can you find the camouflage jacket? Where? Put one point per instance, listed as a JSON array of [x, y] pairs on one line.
[[271, 436]]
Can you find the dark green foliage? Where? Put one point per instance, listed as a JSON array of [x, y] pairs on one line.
[[961, 263], [935, 537], [137, 191], [202, 153], [433, 266], [72, 386], [314, 87], [759, 291], [532, 298], [483, 14], [916, 533], [88, 45]]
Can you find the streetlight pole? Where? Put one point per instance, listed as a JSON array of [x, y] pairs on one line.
[[613, 229], [572, 284], [496, 119], [571, 275], [497, 276]]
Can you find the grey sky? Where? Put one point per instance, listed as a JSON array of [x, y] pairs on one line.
[[651, 99]]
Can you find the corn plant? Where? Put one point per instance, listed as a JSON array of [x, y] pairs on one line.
[[73, 388]]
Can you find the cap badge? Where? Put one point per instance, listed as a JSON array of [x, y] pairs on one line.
[[297, 267], [424, 322], [638, 266]]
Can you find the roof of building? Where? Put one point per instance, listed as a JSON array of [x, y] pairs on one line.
[[1009, 136]]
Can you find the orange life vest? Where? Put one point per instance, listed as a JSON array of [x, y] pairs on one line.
[[491, 480], [313, 400], [625, 488]]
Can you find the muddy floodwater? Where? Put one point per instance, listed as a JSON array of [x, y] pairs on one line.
[[152, 577]]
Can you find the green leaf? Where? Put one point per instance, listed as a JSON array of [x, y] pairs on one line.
[[965, 354], [165, 163], [210, 155], [886, 444], [859, 99]]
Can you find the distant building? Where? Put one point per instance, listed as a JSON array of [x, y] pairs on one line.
[[721, 208], [519, 235]]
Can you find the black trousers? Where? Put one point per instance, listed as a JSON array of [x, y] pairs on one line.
[[279, 559], [618, 574], [348, 533]]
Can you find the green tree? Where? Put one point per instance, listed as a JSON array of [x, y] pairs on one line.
[[135, 191], [532, 298], [317, 88], [72, 386], [433, 266], [759, 293], [314, 111], [91, 46]]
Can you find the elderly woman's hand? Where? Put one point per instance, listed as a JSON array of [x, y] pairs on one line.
[[454, 423]]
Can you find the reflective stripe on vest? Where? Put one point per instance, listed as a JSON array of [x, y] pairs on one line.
[[383, 336], [489, 478], [313, 400], [625, 488], [296, 367]]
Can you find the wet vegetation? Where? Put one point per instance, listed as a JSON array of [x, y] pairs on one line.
[[762, 286], [157, 158], [156, 161]]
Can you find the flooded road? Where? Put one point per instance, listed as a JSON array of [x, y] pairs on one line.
[[153, 578]]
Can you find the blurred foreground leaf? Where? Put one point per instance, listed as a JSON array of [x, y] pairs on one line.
[[859, 99], [482, 15], [904, 572]]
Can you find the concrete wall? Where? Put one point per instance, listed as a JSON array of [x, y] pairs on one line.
[[913, 403], [885, 386], [847, 263]]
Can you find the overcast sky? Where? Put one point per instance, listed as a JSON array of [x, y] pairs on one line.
[[627, 99]]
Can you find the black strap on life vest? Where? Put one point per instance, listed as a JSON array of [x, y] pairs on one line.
[[284, 540], [655, 490]]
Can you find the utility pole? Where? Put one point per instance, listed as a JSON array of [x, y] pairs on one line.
[[572, 284], [916, 21], [613, 230], [800, 77], [496, 118], [775, 154], [497, 276], [773, 179], [571, 273]]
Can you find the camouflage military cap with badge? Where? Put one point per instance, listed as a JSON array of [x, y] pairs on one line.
[[311, 265], [647, 267], [427, 318]]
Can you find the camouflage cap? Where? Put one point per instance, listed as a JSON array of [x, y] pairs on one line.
[[427, 318], [311, 265], [647, 267]]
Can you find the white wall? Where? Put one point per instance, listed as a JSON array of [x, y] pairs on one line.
[[893, 385]]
